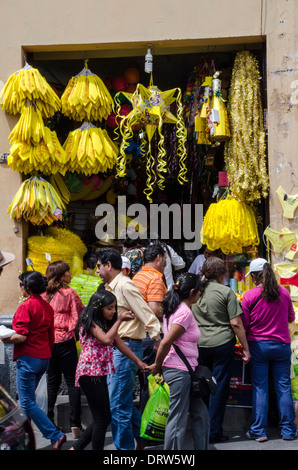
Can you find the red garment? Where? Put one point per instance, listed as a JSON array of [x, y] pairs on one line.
[[67, 307], [34, 319], [290, 281]]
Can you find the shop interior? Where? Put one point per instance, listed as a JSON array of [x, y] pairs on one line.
[[205, 163]]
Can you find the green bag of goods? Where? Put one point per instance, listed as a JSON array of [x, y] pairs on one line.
[[152, 385], [294, 387], [85, 286], [155, 415]]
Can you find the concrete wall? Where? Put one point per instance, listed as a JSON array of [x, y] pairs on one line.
[[113, 27], [280, 20]]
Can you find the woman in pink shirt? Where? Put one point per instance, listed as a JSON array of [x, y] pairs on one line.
[[180, 327], [267, 312], [67, 307]]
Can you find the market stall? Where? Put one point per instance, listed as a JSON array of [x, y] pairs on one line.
[[189, 131]]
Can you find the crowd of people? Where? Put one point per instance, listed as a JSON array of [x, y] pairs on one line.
[[133, 325]]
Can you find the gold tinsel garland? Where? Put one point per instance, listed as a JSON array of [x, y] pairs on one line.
[[245, 152]]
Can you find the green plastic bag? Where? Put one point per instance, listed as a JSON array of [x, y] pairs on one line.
[[155, 415], [152, 385]]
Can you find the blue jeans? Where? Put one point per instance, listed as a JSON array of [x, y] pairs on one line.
[[29, 373], [277, 355], [126, 418], [219, 360]]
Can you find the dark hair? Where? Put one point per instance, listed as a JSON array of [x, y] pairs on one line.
[[54, 273], [93, 312], [180, 291], [270, 287], [213, 268], [33, 282], [152, 251], [111, 255]]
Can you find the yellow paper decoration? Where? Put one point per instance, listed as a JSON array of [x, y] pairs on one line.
[[25, 85], [245, 153], [68, 237], [220, 131], [229, 225], [86, 98], [36, 201], [38, 246], [201, 121], [151, 109], [90, 150]]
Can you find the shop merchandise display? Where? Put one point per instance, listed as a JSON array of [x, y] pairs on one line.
[[85, 285], [127, 138], [55, 245], [34, 147], [90, 150], [26, 85], [61, 188], [36, 201], [150, 110], [245, 152], [229, 225]]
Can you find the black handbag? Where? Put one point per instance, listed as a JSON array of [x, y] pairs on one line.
[[203, 383]]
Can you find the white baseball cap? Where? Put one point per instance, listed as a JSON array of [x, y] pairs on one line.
[[6, 258], [125, 262], [256, 265]]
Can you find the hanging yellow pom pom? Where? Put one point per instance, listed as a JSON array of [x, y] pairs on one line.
[[229, 225]]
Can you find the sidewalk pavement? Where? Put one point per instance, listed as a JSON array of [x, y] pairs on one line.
[[237, 441]]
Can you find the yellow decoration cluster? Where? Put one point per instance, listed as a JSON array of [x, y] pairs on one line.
[[90, 150], [46, 156], [68, 237], [151, 109], [61, 188], [229, 225], [36, 201], [38, 246], [25, 85], [245, 152], [86, 98], [60, 244]]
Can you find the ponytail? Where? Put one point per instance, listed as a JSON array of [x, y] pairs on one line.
[[180, 291], [270, 286]]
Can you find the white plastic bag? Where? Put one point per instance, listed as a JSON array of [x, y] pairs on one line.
[[41, 394]]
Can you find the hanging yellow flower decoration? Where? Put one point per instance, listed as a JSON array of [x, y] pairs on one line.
[[151, 109], [245, 152], [229, 225]]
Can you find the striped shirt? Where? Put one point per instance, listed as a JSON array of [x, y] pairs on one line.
[[150, 283]]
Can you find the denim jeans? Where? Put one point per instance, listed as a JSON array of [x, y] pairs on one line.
[[29, 372], [219, 360], [64, 361], [277, 355], [126, 418], [183, 402]]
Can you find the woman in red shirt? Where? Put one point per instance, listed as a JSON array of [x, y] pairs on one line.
[[67, 308], [33, 341]]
